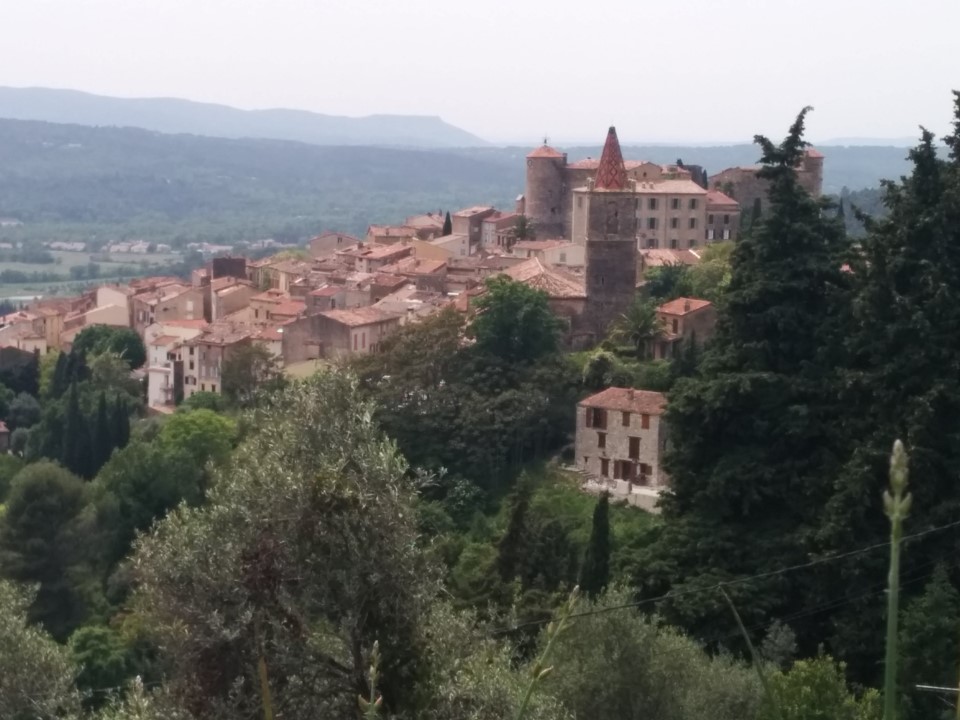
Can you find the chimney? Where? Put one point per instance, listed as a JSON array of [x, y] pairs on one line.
[[630, 393], [686, 306]]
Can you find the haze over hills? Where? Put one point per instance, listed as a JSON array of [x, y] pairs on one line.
[[72, 181], [171, 115]]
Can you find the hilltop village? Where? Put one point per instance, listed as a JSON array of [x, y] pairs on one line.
[[585, 233]]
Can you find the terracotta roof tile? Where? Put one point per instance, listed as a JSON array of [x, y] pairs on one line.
[[359, 316], [545, 151], [683, 306], [611, 172], [643, 402], [555, 283], [716, 198]]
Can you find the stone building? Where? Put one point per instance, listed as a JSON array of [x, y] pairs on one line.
[[552, 181], [743, 185], [723, 217], [609, 207], [621, 438], [684, 319]]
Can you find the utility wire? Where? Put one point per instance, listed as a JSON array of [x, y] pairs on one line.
[[729, 583]]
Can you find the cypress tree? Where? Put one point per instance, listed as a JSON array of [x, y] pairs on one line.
[[511, 547], [103, 435], [447, 224], [76, 451], [595, 571], [121, 423], [758, 423], [59, 384]]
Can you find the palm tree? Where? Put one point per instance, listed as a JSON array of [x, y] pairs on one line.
[[638, 327]]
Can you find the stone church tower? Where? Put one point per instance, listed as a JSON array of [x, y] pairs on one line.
[[611, 241]]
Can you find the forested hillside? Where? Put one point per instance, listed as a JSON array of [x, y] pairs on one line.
[[69, 180]]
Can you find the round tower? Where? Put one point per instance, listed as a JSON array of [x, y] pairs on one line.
[[811, 171], [544, 198]]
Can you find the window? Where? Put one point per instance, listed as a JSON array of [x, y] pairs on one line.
[[673, 244], [634, 448], [203, 388], [645, 421], [191, 349], [213, 387], [693, 243], [651, 223], [674, 223], [580, 203], [596, 417], [710, 234], [675, 324], [710, 219], [601, 440], [604, 467], [652, 204], [652, 243], [625, 419], [622, 470], [726, 219], [354, 342], [191, 363], [693, 203], [563, 258], [363, 341], [674, 203], [726, 233], [693, 223], [256, 314]]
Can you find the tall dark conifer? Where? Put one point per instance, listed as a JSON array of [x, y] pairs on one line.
[[595, 571], [60, 381], [903, 382], [757, 423], [121, 423], [103, 435], [511, 548], [76, 448], [447, 224]]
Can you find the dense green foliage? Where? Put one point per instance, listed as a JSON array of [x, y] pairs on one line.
[[99, 339]]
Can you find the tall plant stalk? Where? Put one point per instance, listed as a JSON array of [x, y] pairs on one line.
[[896, 505], [540, 669]]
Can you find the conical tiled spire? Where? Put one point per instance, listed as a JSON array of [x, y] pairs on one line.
[[611, 174]]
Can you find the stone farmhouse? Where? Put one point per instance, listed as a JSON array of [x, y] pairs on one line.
[[620, 442]]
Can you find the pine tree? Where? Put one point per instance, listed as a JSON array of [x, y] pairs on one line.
[[76, 450], [103, 435], [595, 571], [121, 423], [907, 285], [447, 224], [757, 422], [511, 547]]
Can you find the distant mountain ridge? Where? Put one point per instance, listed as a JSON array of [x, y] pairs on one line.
[[176, 116]]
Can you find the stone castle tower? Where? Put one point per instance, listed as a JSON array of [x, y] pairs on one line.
[[545, 196], [611, 241]]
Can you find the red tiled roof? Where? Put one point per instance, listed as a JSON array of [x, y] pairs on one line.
[[611, 173], [185, 323], [165, 340], [290, 307], [683, 305], [719, 199], [814, 153], [643, 402], [359, 316], [556, 283], [545, 151], [328, 291]]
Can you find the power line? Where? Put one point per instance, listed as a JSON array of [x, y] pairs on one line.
[[729, 583]]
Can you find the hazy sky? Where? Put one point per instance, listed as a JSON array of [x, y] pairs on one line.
[[514, 70]]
